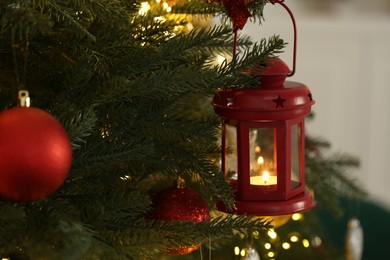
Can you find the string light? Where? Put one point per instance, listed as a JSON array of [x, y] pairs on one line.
[[296, 216], [305, 243], [286, 245], [294, 238], [272, 234], [267, 246], [236, 250], [271, 254]]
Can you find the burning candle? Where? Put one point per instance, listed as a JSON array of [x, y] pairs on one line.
[[264, 180]]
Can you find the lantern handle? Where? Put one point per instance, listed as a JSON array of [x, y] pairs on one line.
[[281, 2]]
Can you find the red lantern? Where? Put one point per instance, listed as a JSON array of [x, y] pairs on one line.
[[263, 142]]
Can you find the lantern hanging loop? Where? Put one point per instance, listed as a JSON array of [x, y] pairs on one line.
[[267, 123], [281, 2]]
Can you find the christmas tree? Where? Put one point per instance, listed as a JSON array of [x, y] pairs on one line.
[[130, 83]]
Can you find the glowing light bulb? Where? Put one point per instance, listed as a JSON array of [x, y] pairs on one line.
[[272, 234], [257, 149], [236, 250], [286, 245], [243, 253], [294, 238], [271, 254], [305, 243], [267, 246], [296, 216]]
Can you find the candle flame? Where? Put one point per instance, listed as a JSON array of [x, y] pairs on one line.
[[265, 176], [260, 160]]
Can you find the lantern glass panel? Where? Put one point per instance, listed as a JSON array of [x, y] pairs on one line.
[[296, 150], [262, 156], [231, 163]]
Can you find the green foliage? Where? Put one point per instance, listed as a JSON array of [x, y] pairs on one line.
[[328, 176], [120, 83], [127, 88]]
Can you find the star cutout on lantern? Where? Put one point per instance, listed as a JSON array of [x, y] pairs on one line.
[[279, 101]]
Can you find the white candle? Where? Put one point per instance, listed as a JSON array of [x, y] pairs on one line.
[[264, 180]]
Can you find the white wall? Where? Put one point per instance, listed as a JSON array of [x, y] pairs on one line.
[[344, 57]]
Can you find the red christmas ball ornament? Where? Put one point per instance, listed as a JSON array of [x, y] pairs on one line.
[[180, 204], [35, 154]]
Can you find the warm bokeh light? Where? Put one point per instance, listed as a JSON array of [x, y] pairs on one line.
[[294, 238], [272, 234], [145, 7], [286, 245], [219, 59], [271, 254], [316, 241], [297, 216], [236, 250]]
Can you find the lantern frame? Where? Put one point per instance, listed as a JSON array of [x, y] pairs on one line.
[[277, 104], [246, 109]]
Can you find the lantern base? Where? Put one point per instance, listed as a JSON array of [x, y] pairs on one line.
[[299, 203]]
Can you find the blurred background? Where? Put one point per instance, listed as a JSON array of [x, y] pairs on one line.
[[344, 57]]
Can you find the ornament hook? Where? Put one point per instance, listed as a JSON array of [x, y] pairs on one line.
[[281, 2], [180, 183], [24, 99]]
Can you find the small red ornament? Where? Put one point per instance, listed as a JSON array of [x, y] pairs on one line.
[[180, 204], [238, 11], [35, 154]]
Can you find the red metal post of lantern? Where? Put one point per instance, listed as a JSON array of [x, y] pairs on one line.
[[263, 141]]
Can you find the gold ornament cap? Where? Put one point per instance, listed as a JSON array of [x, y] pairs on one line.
[[24, 99]]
